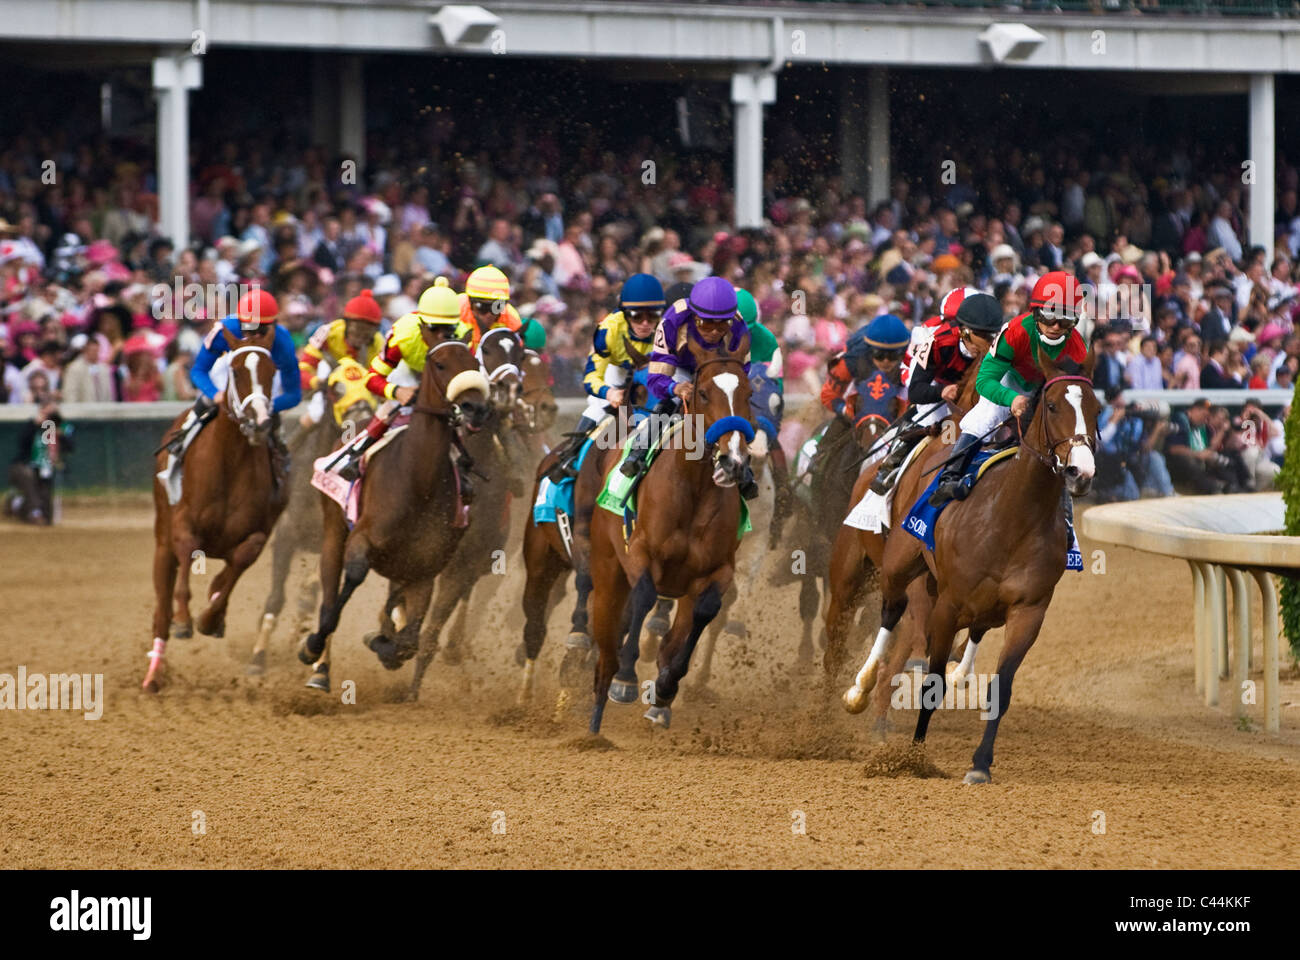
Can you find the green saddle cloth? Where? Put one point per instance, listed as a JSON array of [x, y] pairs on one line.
[[618, 495]]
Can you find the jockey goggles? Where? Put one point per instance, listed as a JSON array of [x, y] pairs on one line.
[[1066, 316], [479, 305], [881, 353]]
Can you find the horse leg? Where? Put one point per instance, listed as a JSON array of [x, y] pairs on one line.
[[675, 652], [710, 642], [892, 607], [939, 633], [608, 600], [537, 594], [961, 672], [624, 686], [212, 621], [333, 545], [354, 568], [445, 600], [281, 559], [848, 581], [184, 545], [1023, 624], [809, 603], [164, 583], [415, 603]]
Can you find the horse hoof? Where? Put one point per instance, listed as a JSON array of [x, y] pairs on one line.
[[855, 699], [256, 666], [182, 631], [577, 640], [216, 631], [660, 716], [620, 691], [977, 776], [320, 680], [521, 654], [305, 654], [390, 655]]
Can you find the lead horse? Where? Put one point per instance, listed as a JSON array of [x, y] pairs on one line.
[[683, 544], [230, 499], [998, 554]]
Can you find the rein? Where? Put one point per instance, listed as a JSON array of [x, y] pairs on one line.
[[1050, 458], [728, 423]]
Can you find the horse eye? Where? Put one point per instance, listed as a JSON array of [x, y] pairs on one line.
[[1051, 407]]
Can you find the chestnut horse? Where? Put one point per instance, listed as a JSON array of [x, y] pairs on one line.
[[230, 500], [407, 525], [998, 554], [684, 541], [547, 560]]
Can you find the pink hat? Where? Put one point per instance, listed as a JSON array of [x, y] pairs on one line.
[[101, 252], [1130, 272], [1270, 331]]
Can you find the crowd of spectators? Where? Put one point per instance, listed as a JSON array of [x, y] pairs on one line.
[[96, 306]]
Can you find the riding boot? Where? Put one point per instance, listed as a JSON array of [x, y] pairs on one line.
[[349, 468], [567, 452], [952, 484], [885, 475], [634, 462]]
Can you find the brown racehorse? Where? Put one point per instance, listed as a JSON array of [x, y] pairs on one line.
[[229, 501], [684, 542], [546, 559], [406, 527], [998, 554], [856, 553]]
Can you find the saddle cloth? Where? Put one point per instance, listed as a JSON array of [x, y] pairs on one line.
[[872, 512], [553, 497]]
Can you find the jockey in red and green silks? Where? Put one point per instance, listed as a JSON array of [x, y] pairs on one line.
[[1009, 372]]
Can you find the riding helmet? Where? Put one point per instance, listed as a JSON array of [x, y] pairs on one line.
[[713, 299], [257, 308], [363, 307], [748, 307], [641, 291], [980, 312], [1058, 291], [487, 283], [887, 332], [439, 304], [952, 302]]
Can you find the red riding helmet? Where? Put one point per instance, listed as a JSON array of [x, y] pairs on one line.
[[256, 309], [1058, 296], [951, 302]]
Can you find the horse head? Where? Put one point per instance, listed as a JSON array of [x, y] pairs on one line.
[[500, 353], [1064, 421], [248, 390], [453, 384], [536, 408], [720, 395]]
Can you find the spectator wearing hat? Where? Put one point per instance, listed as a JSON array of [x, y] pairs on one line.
[[1194, 463]]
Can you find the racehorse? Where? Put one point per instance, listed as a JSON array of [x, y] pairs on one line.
[[998, 554], [300, 528], [683, 543], [410, 518], [230, 499], [494, 450]]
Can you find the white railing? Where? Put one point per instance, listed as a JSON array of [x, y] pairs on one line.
[[1222, 538]]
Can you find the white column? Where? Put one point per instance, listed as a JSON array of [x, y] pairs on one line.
[[1262, 151], [352, 109], [173, 79], [749, 91], [877, 135]]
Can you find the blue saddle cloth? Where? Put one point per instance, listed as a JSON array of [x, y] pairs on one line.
[[558, 496], [921, 519]]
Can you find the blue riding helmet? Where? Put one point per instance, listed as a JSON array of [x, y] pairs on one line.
[[887, 332], [641, 291]]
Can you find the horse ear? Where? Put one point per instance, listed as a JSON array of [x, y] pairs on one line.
[[740, 350], [1048, 366], [1089, 363], [231, 342]]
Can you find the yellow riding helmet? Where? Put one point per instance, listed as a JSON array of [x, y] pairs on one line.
[[439, 304], [487, 283]]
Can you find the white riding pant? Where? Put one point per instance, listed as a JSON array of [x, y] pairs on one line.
[[987, 415], [597, 409]]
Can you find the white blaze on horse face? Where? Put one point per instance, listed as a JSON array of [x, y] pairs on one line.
[[1080, 456], [727, 383], [257, 398]]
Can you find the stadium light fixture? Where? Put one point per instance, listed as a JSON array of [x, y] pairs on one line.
[[1011, 41], [465, 24]]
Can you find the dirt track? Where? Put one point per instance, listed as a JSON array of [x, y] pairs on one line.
[[1104, 719]]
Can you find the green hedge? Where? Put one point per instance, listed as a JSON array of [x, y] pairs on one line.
[[1289, 483]]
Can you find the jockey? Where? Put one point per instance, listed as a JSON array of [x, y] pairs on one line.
[[869, 366], [1009, 371], [767, 402], [436, 319], [355, 335], [938, 357], [486, 304], [622, 338], [709, 315], [252, 325]]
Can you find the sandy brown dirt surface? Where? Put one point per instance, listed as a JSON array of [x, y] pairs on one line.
[[1104, 722]]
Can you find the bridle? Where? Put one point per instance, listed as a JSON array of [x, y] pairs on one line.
[[728, 423], [235, 404], [453, 416], [1051, 458]]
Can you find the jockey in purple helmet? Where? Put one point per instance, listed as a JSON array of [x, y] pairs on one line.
[[710, 316]]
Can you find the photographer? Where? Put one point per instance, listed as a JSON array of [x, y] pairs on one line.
[[41, 444], [1193, 459], [1128, 459]]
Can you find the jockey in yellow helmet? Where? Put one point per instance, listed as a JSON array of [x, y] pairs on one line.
[[486, 304], [353, 336], [436, 319]]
